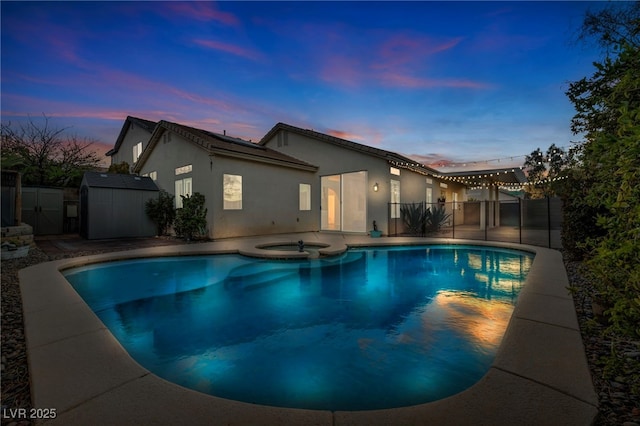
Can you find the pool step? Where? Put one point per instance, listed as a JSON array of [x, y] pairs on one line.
[[245, 279]]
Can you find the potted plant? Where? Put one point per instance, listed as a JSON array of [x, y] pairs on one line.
[[375, 233], [14, 248]]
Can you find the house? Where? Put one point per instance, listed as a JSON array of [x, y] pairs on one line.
[[249, 189], [132, 140], [356, 183], [293, 180]]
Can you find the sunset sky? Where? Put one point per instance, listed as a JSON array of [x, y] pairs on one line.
[[438, 81]]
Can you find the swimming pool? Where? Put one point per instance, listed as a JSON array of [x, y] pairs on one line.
[[374, 328]]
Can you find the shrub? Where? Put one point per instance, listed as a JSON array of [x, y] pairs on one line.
[[419, 219], [161, 211], [191, 219]]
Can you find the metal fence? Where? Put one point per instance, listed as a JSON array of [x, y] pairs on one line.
[[536, 222]]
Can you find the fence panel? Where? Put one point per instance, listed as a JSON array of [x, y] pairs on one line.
[[535, 222]]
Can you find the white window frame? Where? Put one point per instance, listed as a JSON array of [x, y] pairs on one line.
[[182, 187], [137, 151], [304, 191], [153, 175], [188, 168], [231, 192], [395, 198]]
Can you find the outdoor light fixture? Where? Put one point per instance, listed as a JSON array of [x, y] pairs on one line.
[[375, 187]]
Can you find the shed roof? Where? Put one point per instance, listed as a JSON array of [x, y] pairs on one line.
[[118, 181]]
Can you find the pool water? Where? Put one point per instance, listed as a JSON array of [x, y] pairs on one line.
[[373, 328]]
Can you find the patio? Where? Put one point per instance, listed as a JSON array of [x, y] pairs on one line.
[[539, 375]]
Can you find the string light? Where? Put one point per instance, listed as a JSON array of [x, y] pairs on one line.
[[474, 180], [498, 160]]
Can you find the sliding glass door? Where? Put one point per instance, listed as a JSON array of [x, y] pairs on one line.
[[344, 202]]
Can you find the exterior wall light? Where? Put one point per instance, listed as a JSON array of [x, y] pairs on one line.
[[375, 187]]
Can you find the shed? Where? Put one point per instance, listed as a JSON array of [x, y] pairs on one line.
[[113, 206]]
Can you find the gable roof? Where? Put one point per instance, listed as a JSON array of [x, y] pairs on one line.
[[392, 157], [215, 143], [145, 124], [118, 181]]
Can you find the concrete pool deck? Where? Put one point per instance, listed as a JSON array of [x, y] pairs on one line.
[[539, 376]]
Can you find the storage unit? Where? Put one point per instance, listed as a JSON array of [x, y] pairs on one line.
[[113, 206]]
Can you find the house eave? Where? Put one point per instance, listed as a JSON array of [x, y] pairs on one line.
[[244, 156]]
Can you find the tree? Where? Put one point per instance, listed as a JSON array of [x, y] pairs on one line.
[[122, 168], [542, 179], [46, 156], [605, 180]]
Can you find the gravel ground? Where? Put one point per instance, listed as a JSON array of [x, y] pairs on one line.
[[618, 406]]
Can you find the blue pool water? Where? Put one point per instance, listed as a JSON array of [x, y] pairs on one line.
[[373, 328]]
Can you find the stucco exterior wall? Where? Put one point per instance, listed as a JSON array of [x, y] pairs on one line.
[[270, 194], [270, 199], [133, 135], [332, 159]]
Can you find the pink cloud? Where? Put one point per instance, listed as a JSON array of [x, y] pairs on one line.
[[230, 48], [400, 60], [411, 82], [343, 70], [345, 135], [404, 48], [201, 11]]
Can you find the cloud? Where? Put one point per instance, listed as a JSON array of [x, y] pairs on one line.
[[199, 11], [230, 48], [411, 82], [396, 60], [345, 135], [401, 49]]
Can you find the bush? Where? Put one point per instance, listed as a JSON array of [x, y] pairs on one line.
[[191, 219], [161, 211], [419, 219]]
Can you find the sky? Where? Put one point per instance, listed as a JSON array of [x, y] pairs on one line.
[[474, 85]]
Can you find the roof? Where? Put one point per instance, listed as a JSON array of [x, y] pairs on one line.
[[344, 143], [118, 181], [217, 144], [145, 124]]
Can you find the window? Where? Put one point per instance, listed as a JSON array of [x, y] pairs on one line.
[[184, 169], [429, 199], [183, 187], [395, 199], [232, 192], [305, 196], [137, 150], [429, 181], [443, 185], [152, 175], [394, 171], [283, 138]]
